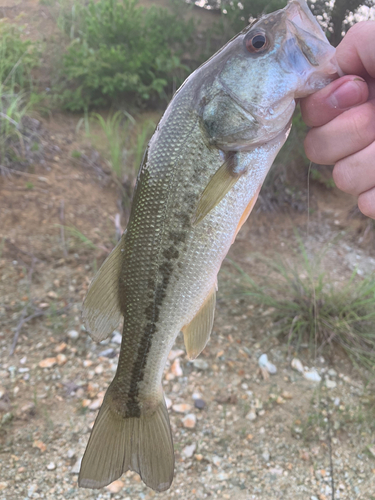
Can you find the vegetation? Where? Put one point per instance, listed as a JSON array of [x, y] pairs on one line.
[[121, 50], [336, 16], [307, 307], [18, 57]]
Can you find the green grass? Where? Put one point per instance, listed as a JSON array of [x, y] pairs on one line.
[[306, 306], [115, 129]]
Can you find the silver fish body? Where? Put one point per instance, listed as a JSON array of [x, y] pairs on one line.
[[199, 179]]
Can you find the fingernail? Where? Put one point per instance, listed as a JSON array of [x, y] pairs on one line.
[[347, 95]]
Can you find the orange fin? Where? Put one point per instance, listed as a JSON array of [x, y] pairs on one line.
[[247, 212]]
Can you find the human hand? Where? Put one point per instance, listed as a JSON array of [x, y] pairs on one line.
[[343, 118]]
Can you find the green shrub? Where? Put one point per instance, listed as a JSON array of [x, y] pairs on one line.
[[17, 58], [120, 50]]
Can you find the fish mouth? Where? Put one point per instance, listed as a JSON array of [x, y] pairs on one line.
[[307, 50]]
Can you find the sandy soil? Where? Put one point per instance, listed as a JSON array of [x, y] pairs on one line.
[[250, 437]]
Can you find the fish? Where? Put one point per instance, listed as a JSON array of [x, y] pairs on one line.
[[199, 179]]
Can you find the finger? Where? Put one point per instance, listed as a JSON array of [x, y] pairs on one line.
[[343, 136], [366, 203], [340, 95], [356, 54], [355, 174]]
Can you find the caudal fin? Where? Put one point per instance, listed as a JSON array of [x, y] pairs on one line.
[[118, 444]]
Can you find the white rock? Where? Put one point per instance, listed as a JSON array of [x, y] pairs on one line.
[[188, 451], [297, 365], [51, 466], [312, 375], [264, 363], [73, 334], [201, 364], [197, 395], [168, 402], [332, 372], [330, 384], [251, 415], [116, 337], [266, 455]]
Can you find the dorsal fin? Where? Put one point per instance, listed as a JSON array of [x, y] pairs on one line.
[[101, 311], [198, 331]]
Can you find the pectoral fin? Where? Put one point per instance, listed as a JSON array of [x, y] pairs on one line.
[[219, 185], [198, 331], [101, 312]]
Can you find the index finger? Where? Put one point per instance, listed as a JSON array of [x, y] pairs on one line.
[[340, 95], [355, 54]]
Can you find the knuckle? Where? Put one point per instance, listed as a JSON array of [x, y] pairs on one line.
[[366, 204], [343, 178], [362, 125]]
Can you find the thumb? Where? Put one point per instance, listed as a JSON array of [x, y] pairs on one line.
[[340, 95]]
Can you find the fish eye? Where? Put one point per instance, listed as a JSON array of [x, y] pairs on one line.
[[256, 43]]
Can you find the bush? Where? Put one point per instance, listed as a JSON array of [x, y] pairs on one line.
[[17, 58], [120, 50]]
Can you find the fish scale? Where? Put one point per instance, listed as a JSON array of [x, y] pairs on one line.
[[199, 179]]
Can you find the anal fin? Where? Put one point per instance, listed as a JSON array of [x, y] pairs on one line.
[[101, 311], [198, 331]]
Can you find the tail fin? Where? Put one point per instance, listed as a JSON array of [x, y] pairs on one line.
[[118, 444]]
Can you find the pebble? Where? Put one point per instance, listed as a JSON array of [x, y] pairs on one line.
[[286, 395], [51, 466], [96, 404], [264, 363], [181, 408], [176, 368], [39, 444], [266, 455], [312, 376], [251, 415], [116, 486], [108, 353], [3, 486], [48, 363], [175, 354], [199, 403], [189, 421], [332, 372], [200, 364], [2, 391], [297, 365], [330, 384], [116, 337], [99, 369], [61, 359], [61, 347], [52, 295], [73, 334], [189, 450], [168, 402]]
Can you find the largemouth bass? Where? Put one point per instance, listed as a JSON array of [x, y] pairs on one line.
[[199, 179]]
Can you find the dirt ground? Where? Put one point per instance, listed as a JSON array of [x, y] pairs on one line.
[[237, 435]]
